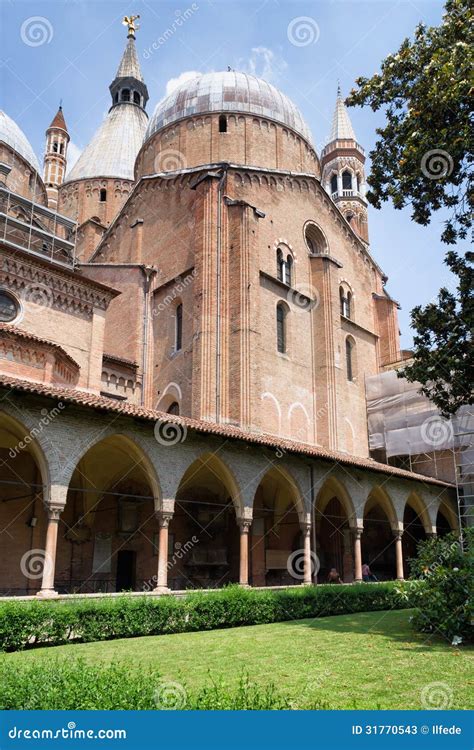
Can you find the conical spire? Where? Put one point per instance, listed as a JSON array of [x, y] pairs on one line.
[[341, 124], [128, 86], [129, 66], [58, 120]]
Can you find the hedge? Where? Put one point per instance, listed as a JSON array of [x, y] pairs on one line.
[[72, 685], [25, 624]]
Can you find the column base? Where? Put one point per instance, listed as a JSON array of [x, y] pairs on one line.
[[400, 579], [307, 583], [161, 590], [47, 594], [358, 580]]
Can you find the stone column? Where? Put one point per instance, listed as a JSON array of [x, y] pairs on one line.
[[399, 554], [244, 525], [307, 565], [357, 554], [164, 519], [49, 561], [339, 184]]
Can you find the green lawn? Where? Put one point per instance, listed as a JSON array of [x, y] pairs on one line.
[[367, 660]]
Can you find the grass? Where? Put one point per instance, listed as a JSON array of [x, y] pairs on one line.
[[369, 660]]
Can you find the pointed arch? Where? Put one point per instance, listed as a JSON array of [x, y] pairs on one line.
[[379, 496], [211, 471], [416, 503], [18, 438], [333, 487]]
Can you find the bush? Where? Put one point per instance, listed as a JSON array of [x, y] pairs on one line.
[[442, 593], [24, 624], [76, 685]]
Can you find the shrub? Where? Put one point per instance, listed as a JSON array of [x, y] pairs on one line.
[[77, 685], [24, 624], [442, 593]]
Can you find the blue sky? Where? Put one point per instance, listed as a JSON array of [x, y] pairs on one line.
[[84, 41]]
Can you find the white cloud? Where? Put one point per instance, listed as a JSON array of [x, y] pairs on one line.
[[264, 63], [186, 76], [73, 154]]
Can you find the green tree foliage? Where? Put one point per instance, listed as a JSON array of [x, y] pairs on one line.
[[443, 594], [443, 353], [422, 156]]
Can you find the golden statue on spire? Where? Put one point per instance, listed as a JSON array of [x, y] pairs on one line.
[[132, 26]]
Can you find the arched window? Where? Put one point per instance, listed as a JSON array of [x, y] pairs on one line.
[[346, 180], [103, 195], [173, 408], [345, 298], [179, 328], [222, 124], [350, 359], [280, 264], [281, 328], [288, 270], [61, 148], [125, 95], [136, 97], [358, 183], [315, 239], [334, 183], [55, 147]]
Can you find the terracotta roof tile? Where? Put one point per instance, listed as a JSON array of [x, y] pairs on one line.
[[90, 400]]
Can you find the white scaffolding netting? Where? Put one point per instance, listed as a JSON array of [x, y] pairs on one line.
[[403, 422]]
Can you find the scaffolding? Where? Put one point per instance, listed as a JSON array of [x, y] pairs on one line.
[[406, 430]]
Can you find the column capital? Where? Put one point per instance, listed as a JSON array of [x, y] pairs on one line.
[[358, 531], [244, 524], [397, 533], [54, 512], [164, 517], [306, 527]]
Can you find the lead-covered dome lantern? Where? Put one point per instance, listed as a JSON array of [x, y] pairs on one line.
[[230, 92]]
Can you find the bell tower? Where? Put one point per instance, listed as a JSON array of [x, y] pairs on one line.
[[55, 157], [343, 170]]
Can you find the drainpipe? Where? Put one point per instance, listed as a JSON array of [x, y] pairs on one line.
[[313, 517], [149, 272], [220, 192]]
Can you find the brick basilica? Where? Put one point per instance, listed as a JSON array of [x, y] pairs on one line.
[[188, 318]]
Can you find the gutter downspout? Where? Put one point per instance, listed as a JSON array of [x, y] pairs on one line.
[[313, 519], [149, 272], [220, 191]]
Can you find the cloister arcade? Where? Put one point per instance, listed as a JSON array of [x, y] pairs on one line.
[[111, 508]]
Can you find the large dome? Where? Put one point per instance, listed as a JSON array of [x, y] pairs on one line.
[[228, 92], [11, 134]]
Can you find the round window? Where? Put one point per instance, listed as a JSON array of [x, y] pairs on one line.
[[9, 307]]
